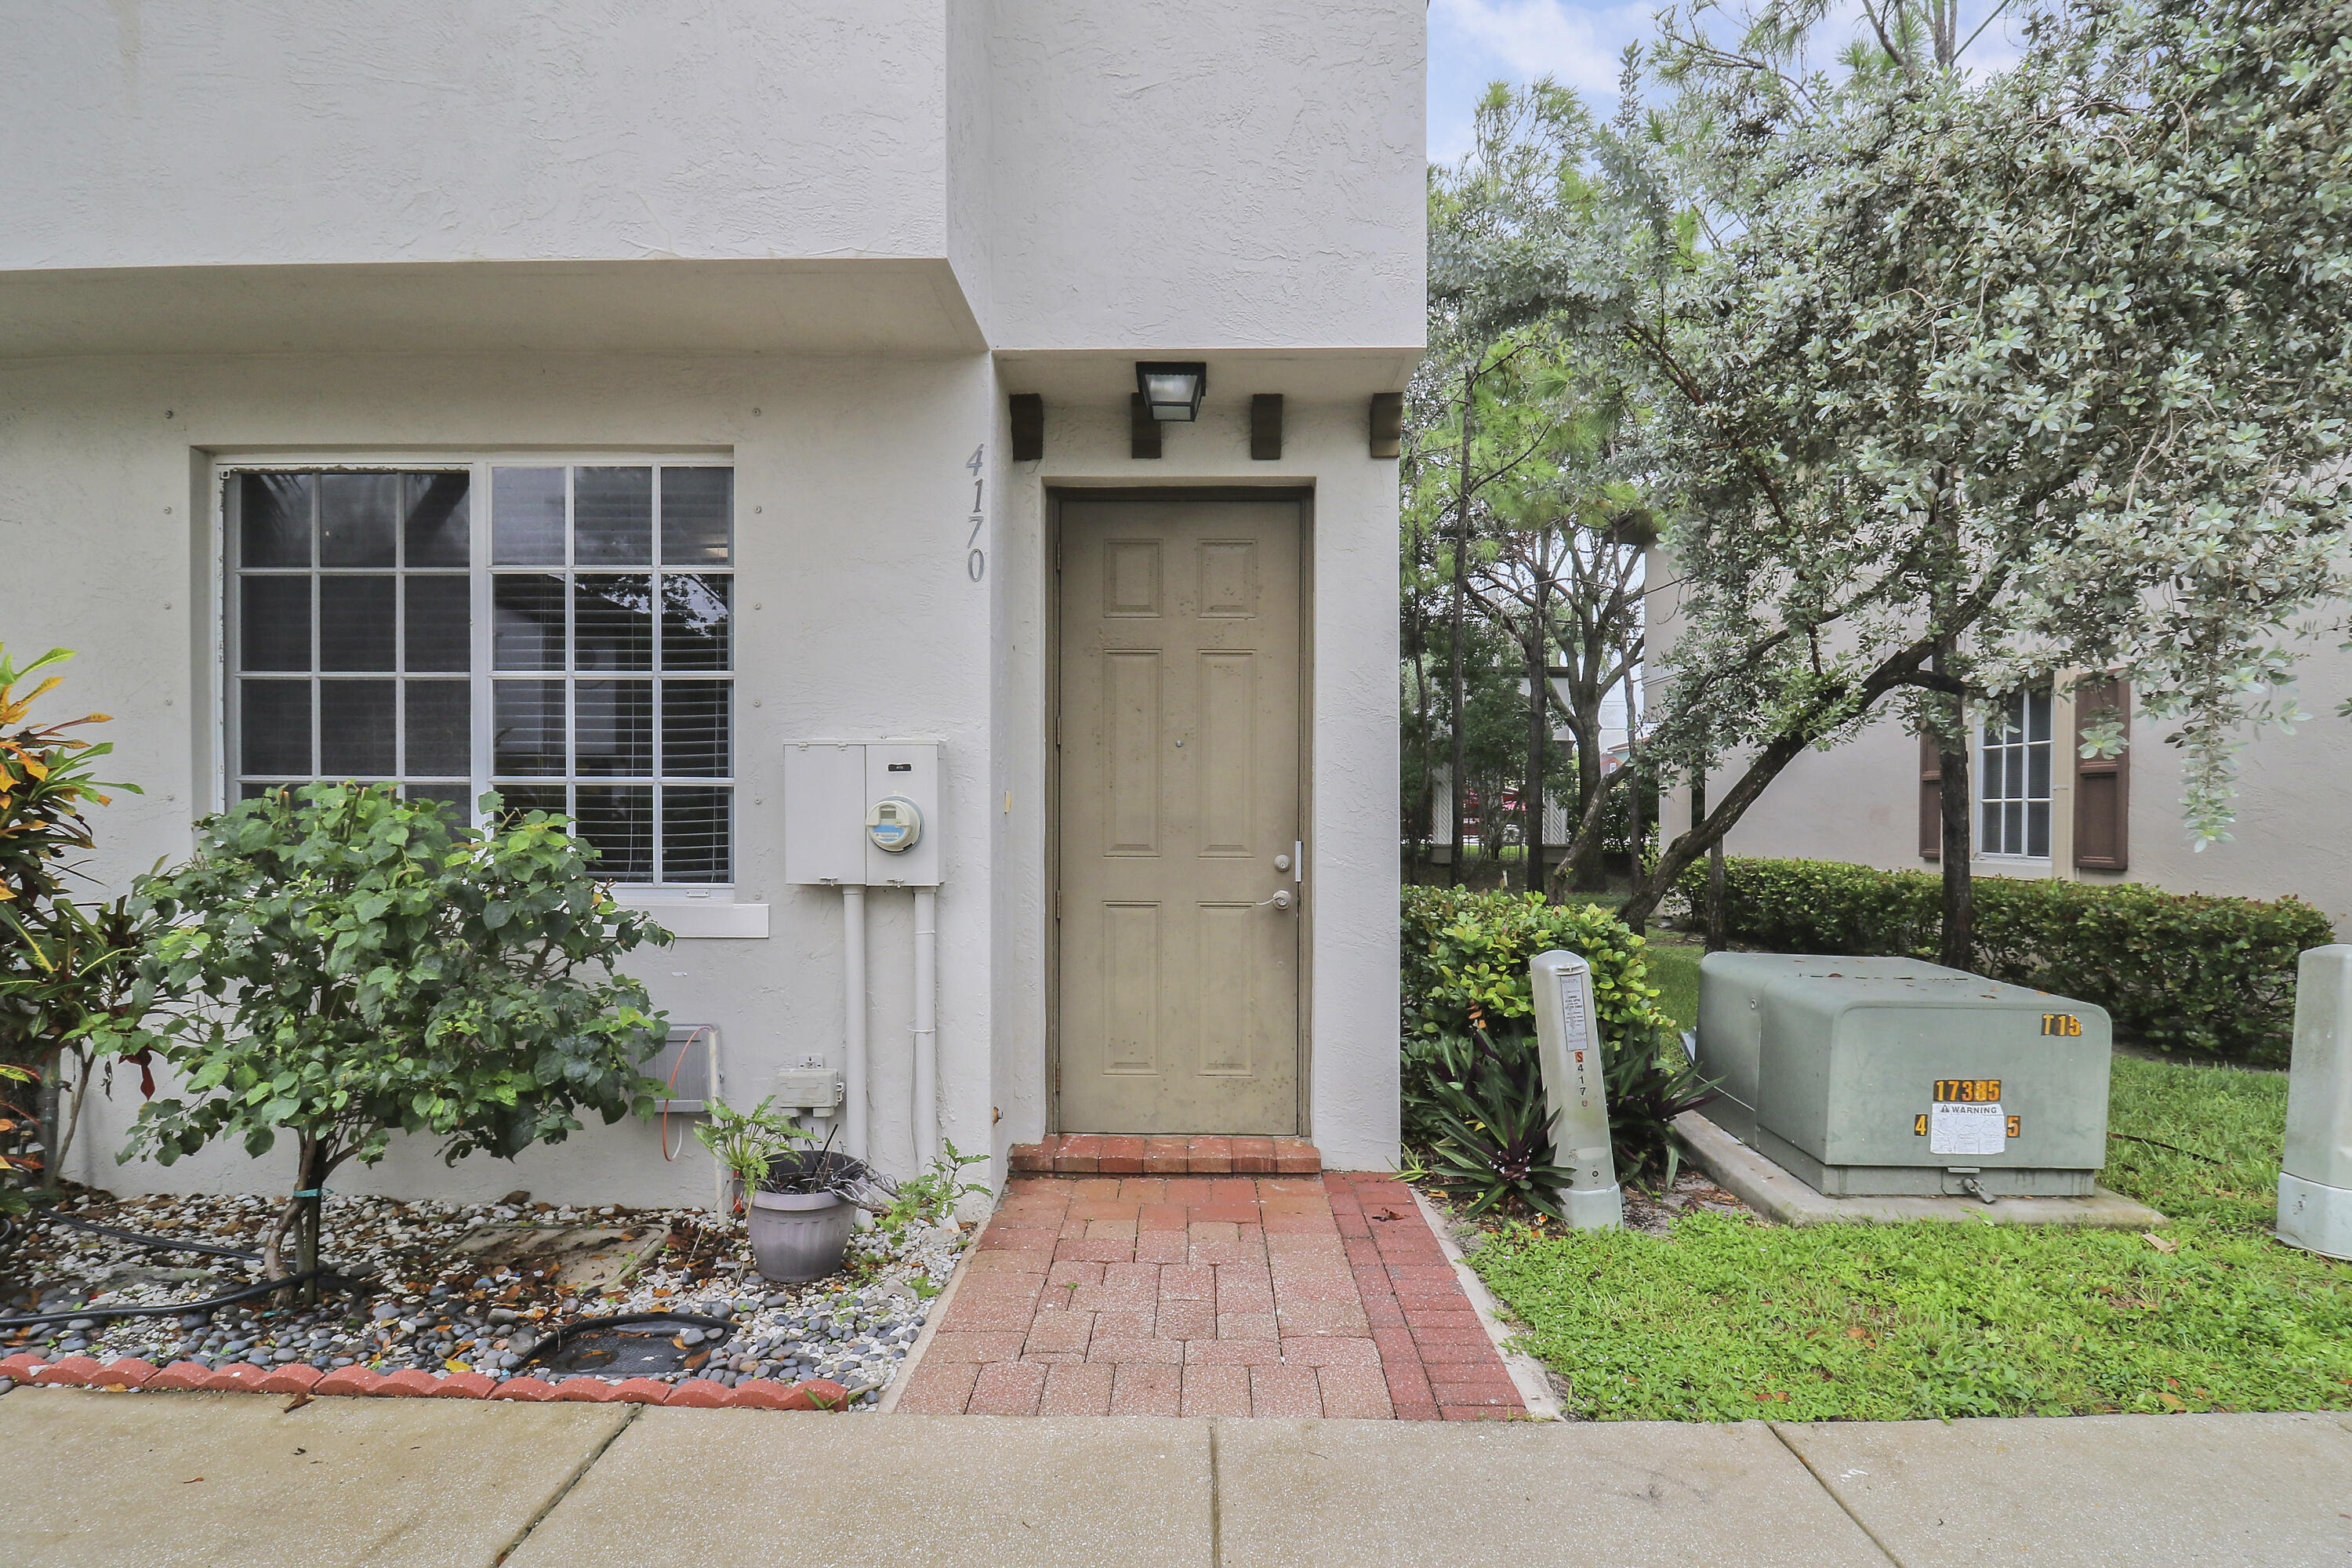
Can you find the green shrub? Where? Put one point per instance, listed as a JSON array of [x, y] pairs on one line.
[[1465, 950], [2180, 971], [340, 965], [66, 968], [1466, 965]]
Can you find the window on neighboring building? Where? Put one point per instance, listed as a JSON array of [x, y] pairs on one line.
[[2013, 780], [572, 649]]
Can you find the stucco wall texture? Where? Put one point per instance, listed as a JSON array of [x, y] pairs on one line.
[[806, 238]]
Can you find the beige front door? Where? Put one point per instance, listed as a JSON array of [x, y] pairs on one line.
[[1179, 788]]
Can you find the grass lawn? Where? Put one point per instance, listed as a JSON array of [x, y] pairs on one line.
[[1674, 970], [1730, 1318]]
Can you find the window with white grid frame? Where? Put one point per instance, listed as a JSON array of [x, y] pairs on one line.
[[572, 649], [2014, 777]]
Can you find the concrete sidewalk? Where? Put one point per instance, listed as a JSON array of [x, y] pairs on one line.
[[93, 1479]]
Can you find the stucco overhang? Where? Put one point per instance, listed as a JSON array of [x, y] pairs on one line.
[[874, 305]]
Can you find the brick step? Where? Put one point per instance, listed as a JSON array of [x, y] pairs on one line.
[[1199, 1154]]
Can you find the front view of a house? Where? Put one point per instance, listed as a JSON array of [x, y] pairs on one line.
[[654, 414]]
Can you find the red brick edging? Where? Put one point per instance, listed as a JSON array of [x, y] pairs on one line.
[[697, 1394], [1136, 1154]]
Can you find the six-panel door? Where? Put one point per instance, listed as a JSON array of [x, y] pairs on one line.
[[1179, 758]]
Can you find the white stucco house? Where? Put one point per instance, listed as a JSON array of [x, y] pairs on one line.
[[606, 403]]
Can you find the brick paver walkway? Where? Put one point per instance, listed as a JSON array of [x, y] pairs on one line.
[[1211, 1296]]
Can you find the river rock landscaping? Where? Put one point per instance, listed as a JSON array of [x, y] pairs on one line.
[[415, 1302]]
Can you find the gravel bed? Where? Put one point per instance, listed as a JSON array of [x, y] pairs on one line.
[[855, 1327]]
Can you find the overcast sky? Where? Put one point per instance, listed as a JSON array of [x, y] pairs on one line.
[[1577, 43]]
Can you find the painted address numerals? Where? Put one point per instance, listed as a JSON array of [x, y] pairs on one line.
[[2061, 1024], [975, 559]]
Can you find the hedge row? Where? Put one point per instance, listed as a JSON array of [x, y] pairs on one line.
[[2180, 971], [1463, 950]]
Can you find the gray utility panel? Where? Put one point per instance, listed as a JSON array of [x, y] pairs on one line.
[[1891, 1075]]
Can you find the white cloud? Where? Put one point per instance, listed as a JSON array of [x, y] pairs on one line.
[[1576, 45]]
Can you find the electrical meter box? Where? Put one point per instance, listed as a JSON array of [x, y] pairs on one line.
[[862, 814], [1886, 1076]]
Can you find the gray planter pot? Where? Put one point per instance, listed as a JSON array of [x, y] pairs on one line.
[[796, 1237]]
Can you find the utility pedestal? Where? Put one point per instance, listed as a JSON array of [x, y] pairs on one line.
[[1567, 1045], [2314, 1191]]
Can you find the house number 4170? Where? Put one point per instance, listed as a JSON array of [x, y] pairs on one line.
[[975, 559]]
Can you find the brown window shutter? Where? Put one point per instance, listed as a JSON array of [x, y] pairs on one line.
[[2101, 784], [1931, 799]]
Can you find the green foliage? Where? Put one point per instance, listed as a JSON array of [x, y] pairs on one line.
[[1674, 967], [1728, 1320], [2196, 1142], [1466, 951], [1478, 1113], [1924, 397], [1465, 968], [45, 782], [2181, 970], [13, 1125], [747, 1142], [930, 1195], [66, 968], [341, 964]]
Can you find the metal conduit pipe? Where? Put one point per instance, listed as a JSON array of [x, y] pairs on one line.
[[926, 1024], [852, 1065]]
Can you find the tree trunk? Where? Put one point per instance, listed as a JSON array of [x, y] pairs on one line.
[[1589, 872], [1532, 794], [1711, 902], [48, 1104], [1636, 835], [1458, 779], [300, 1217], [1956, 949], [1424, 809], [73, 1118], [1589, 827], [1897, 669]]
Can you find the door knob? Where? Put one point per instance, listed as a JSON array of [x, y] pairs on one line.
[[1281, 900]]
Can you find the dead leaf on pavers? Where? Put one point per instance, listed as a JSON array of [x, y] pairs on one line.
[[577, 1257]]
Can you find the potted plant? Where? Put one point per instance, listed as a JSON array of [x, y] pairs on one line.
[[797, 1201]]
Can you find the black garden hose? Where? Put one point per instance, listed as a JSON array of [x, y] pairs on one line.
[[166, 1311], [154, 1242], [168, 1244]]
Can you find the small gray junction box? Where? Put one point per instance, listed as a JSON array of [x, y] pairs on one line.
[[1890, 1076]]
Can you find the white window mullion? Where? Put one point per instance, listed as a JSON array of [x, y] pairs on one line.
[[483, 722], [654, 676]]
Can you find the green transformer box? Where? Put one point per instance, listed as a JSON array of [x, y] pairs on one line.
[[1892, 1076]]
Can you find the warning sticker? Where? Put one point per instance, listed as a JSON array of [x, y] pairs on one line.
[[1960, 1129]]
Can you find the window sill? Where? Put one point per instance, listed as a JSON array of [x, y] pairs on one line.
[[691, 917], [2027, 867]]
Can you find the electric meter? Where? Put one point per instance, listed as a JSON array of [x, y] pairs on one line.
[[895, 824]]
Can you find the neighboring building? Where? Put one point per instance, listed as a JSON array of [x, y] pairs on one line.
[[593, 400], [2043, 810]]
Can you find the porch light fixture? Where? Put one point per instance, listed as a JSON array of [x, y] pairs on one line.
[[1171, 391]]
